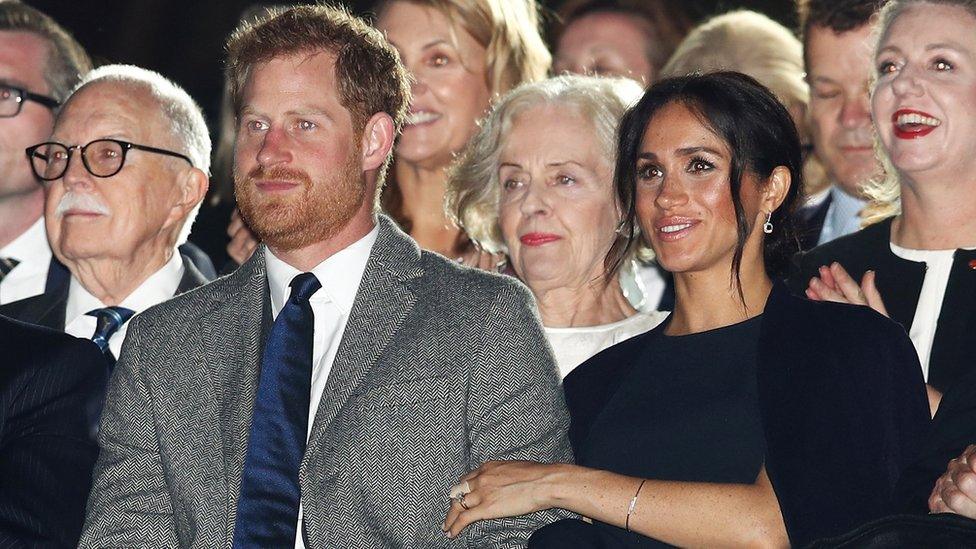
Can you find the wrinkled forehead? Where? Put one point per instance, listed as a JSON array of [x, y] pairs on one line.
[[106, 108]]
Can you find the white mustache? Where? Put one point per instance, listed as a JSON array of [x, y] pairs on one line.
[[80, 201]]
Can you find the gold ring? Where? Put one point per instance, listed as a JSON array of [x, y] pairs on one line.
[[460, 501]]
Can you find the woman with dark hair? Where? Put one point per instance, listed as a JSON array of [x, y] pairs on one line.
[[749, 416]]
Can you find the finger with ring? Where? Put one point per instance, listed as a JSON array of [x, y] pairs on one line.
[[460, 500], [459, 489]]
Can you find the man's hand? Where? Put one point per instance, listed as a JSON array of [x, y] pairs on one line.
[[955, 491]]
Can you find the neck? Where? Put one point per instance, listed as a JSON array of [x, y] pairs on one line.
[[308, 257], [423, 204], [18, 213], [591, 304], [710, 299], [111, 280], [935, 217]]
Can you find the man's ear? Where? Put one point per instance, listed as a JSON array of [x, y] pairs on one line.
[[377, 141], [777, 187], [192, 186]]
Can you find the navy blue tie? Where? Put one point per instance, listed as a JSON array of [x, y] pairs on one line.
[[267, 512], [107, 322]]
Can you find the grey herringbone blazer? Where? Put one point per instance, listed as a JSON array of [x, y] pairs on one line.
[[440, 368]]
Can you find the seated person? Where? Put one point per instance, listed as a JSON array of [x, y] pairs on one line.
[[51, 391], [537, 185], [125, 171], [916, 260], [750, 416]]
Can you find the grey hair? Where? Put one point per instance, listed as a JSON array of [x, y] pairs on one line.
[[187, 125], [884, 192], [473, 189]]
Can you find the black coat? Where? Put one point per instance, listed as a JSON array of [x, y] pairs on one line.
[[51, 391], [843, 408], [900, 284]]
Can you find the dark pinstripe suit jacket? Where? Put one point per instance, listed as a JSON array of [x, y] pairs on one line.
[[51, 389], [440, 368]]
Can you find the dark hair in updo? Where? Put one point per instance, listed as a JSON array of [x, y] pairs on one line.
[[758, 131]]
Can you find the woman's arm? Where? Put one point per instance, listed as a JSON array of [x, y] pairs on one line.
[[679, 513]]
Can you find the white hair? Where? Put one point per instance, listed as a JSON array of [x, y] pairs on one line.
[[184, 115]]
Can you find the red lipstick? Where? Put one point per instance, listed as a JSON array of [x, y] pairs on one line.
[[538, 239], [911, 130]]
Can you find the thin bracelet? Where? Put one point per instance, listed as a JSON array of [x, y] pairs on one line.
[[633, 504]]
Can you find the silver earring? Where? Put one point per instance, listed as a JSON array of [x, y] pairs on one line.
[[768, 225]]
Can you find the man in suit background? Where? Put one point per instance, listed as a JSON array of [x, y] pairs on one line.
[[386, 373], [837, 52], [51, 389], [39, 65], [125, 171]]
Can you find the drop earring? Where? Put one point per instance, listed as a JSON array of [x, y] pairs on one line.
[[768, 225]]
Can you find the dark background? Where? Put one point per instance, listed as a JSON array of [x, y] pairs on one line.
[[183, 39]]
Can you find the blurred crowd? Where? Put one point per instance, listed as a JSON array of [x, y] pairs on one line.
[[439, 281]]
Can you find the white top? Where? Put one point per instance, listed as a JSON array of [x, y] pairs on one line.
[[340, 276], [843, 215], [156, 289], [572, 346], [33, 252], [938, 264]]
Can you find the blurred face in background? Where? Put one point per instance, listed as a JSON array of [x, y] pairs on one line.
[[557, 211], [450, 85], [605, 44], [23, 58], [839, 74], [924, 100]]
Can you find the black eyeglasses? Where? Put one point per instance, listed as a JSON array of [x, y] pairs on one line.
[[101, 157], [12, 100]]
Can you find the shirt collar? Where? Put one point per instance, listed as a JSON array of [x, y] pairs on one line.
[[31, 245], [845, 206], [340, 275], [159, 287]]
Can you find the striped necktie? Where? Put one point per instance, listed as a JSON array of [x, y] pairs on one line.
[[7, 264], [108, 321]]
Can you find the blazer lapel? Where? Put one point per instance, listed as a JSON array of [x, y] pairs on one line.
[[382, 304], [233, 333], [192, 277]]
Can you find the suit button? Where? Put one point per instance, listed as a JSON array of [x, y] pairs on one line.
[[972, 264]]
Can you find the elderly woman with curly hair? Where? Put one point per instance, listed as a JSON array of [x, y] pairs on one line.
[[536, 183]]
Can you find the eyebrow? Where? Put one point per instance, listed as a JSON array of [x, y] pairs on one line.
[[947, 46], [12, 82], [684, 151], [436, 42]]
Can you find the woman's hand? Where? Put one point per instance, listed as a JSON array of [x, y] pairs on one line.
[[955, 491], [501, 489], [834, 284], [242, 240]]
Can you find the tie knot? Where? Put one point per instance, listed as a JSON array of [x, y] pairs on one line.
[[107, 321], [303, 286]]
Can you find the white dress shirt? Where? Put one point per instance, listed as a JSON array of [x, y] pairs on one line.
[[938, 265], [340, 276], [159, 287], [843, 215], [33, 252]]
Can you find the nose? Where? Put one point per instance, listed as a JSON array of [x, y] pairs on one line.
[[670, 193], [906, 83], [274, 148], [76, 176], [855, 112], [534, 201]]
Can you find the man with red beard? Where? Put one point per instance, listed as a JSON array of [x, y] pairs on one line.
[[328, 392]]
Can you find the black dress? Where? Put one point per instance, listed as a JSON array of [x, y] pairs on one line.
[[828, 397], [684, 401]]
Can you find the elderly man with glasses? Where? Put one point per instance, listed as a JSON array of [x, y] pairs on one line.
[[124, 171]]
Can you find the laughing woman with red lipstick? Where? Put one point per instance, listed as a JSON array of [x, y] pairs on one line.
[[750, 417], [918, 263]]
